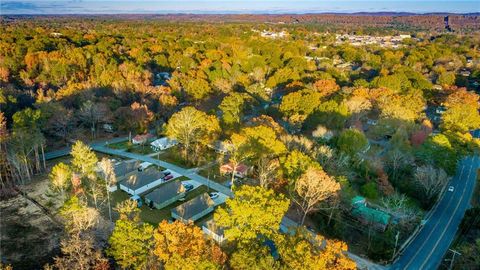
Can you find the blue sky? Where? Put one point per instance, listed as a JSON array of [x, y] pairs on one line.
[[232, 6]]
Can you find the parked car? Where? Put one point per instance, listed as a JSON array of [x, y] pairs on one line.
[[213, 195], [137, 199], [168, 177], [167, 173], [450, 188], [188, 187]]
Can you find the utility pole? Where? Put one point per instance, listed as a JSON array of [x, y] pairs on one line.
[[396, 242], [453, 257]]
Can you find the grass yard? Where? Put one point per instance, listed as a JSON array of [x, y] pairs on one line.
[[154, 216], [120, 145], [214, 173], [143, 150], [173, 155]]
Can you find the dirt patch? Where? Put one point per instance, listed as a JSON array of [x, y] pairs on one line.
[[28, 237]]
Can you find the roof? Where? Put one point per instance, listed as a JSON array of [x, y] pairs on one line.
[[213, 227], [163, 141], [358, 199], [141, 137], [371, 214], [142, 178], [193, 207], [166, 192], [125, 167], [241, 168]]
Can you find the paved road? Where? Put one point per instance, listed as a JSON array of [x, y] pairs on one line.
[[100, 147], [433, 240]]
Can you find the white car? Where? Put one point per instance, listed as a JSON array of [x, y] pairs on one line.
[[213, 195], [450, 188]]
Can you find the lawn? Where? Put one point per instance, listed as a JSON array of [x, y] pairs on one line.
[[143, 150], [173, 155], [155, 216], [213, 172], [120, 145]]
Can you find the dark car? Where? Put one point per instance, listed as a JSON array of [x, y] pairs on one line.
[[167, 173], [188, 187]]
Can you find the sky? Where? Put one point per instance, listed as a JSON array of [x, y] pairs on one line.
[[9, 7]]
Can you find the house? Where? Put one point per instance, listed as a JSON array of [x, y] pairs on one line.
[[368, 215], [163, 143], [221, 147], [123, 168], [194, 209], [142, 181], [142, 139], [240, 171], [165, 194], [211, 229]]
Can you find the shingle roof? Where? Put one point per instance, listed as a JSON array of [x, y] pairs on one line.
[[193, 207], [142, 178], [125, 167], [165, 192]]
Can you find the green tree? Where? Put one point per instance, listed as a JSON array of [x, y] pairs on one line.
[[84, 159], [446, 78], [197, 88], [352, 141], [461, 118], [253, 212], [232, 108], [295, 164]]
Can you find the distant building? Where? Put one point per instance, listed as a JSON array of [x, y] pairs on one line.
[[370, 216], [163, 143], [194, 209], [165, 194]]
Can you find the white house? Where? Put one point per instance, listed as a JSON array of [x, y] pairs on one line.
[[142, 181], [163, 143]]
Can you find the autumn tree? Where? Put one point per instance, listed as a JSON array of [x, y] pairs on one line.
[[60, 178], [192, 128], [461, 118], [135, 117], [313, 187], [301, 250], [77, 216], [326, 87], [232, 107], [131, 242], [78, 252], [253, 212], [177, 240]]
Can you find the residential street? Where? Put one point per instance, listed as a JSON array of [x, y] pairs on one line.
[[430, 245]]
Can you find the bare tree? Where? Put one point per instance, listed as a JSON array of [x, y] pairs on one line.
[[108, 172], [267, 169], [92, 114], [313, 187], [431, 180]]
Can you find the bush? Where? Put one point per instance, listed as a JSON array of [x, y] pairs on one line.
[[370, 190]]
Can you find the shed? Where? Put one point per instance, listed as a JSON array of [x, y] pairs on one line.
[[142, 181], [165, 194], [163, 143], [211, 229], [194, 209]]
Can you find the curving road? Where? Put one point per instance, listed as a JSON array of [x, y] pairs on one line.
[[427, 249]]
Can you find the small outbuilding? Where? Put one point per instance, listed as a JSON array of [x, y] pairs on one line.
[[165, 194], [142, 181], [194, 209], [368, 215], [216, 232], [162, 144]]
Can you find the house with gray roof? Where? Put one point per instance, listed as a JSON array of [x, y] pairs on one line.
[[123, 168], [165, 194], [194, 209], [142, 181]]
